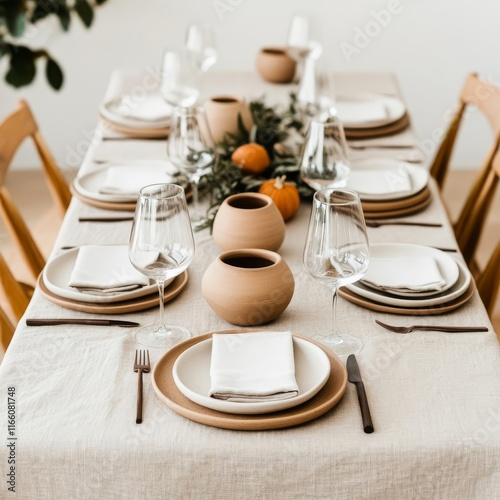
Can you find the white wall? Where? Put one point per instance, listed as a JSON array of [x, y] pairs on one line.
[[431, 45]]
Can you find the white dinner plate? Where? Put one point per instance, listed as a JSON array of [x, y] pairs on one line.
[[191, 373], [419, 177], [454, 291], [394, 107], [117, 111], [89, 185], [57, 272]]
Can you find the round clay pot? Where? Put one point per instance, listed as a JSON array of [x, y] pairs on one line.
[[275, 65], [248, 220], [222, 115], [248, 286]]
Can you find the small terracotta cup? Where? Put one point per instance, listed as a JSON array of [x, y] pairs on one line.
[[275, 65], [248, 286], [222, 115], [248, 220]]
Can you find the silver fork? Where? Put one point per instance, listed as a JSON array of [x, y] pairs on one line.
[[141, 365], [451, 329]]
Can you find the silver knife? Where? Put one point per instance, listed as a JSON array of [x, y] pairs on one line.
[[73, 321], [355, 378]]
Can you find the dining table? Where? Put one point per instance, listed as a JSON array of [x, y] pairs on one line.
[[68, 417]]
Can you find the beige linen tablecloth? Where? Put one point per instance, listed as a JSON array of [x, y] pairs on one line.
[[434, 397]]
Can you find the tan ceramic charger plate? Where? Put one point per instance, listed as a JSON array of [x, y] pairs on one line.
[[366, 133], [402, 203], [126, 306], [165, 388]]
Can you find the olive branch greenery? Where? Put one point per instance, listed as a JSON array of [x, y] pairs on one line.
[[279, 131]]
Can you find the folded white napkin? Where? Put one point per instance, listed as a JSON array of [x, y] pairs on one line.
[[105, 270], [253, 367], [360, 112], [150, 107], [129, 179], [387, 181], [404, 274]]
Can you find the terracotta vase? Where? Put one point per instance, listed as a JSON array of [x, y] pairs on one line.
[[248, 220], [275, 65], [248, 286], [222, 115]]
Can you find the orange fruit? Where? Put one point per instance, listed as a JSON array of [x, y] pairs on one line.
[[251, 158]]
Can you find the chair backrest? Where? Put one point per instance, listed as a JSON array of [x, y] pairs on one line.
[[6, 330], [486, 98], [470, 231], [14, 130], [488, 282]]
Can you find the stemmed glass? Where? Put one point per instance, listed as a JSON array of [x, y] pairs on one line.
[[337, 253], [200, 44], [179, 78], [323, 162], [161, 247], [306, 52], [190, 149]]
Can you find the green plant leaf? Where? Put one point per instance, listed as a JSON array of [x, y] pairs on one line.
[[15, 17], [85, 12], [22, 67], [54, 74], [64, 17]]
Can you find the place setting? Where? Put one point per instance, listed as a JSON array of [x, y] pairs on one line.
[[279, 379], [389, 188], [368, 115], [411, 280], [116, 185], [149, 271]]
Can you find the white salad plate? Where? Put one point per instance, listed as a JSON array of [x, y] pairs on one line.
[[57, 273], [191, 374], [418, 176]]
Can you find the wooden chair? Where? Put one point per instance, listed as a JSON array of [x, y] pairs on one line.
[[6, 330], [488, 282], [15, 293], [470, 231], [13, 131], [486, 98]]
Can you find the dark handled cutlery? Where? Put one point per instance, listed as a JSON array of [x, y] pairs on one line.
[[354, 376], [73, 321], [377, 223], [106, 219], [427, 328], [141, 365]]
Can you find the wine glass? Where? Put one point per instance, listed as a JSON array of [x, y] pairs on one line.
[[337, 253], [323, 162], [161, 247], [200, 45], [306, 52], [178, 79], [190, 149]]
